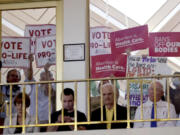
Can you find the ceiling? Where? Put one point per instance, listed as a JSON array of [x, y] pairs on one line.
[[166, 19]]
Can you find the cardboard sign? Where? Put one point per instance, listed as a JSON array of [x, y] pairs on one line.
[[130, 39], [147, 66], [165, 44], [15, 52], [108, 65], [45, 51], [100, 40], [144, 66], [34, 31], [135, 92]]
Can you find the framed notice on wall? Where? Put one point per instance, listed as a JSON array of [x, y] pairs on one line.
[[74, 52]]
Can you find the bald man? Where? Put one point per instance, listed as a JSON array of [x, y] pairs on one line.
[[149, 109], [108, 110]]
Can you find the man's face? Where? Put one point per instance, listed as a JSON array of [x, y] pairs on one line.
[[108, 95], [159, 92], [46, 77], [13, 77], [68, 103]]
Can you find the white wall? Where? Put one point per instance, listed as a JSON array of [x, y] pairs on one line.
[[140, 131], [75, 32]]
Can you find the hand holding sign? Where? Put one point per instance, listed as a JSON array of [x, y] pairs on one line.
[[31, 58]]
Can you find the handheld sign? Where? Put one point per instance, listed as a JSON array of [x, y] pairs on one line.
[[144, 66], [147, 66], [165, 44], [135, 92], [45, 51], [129, 39], [100, 40], [108, 65], [34, 31], [15, 52]]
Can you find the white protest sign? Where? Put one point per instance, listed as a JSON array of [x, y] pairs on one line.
[[45, 51], [135, 92], [15, 52], [145, 66], [34, 31], [100, 41]]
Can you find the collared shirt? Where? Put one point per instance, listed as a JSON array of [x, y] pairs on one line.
[[109, 116], [162, 113]]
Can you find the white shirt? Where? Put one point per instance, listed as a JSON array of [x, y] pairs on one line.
[[162, 113], [43, 101], [31, 91]]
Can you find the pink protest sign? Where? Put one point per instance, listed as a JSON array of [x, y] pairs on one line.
[[108, 65], [15, 52], [45, 51], [129, 39], [165, 44], [34, 31]]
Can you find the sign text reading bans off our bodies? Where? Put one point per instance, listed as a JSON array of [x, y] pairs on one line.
[[34, 31], [15, 52], [46, 51], [166, 44]]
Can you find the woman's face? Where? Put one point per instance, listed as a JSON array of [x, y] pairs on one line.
[[19, 108]]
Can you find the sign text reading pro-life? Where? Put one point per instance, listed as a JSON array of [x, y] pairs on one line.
[[15, 52], [45, 51]]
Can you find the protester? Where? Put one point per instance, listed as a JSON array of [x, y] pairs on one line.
[[13, 76], [175, 95], [175, 92], [31, 88], [43, 95], [161, 109], [68, 104], [43, 91], [17, 118]]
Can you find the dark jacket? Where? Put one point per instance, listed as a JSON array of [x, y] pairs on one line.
[[121, 113], [175, 98], [80, 118]]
